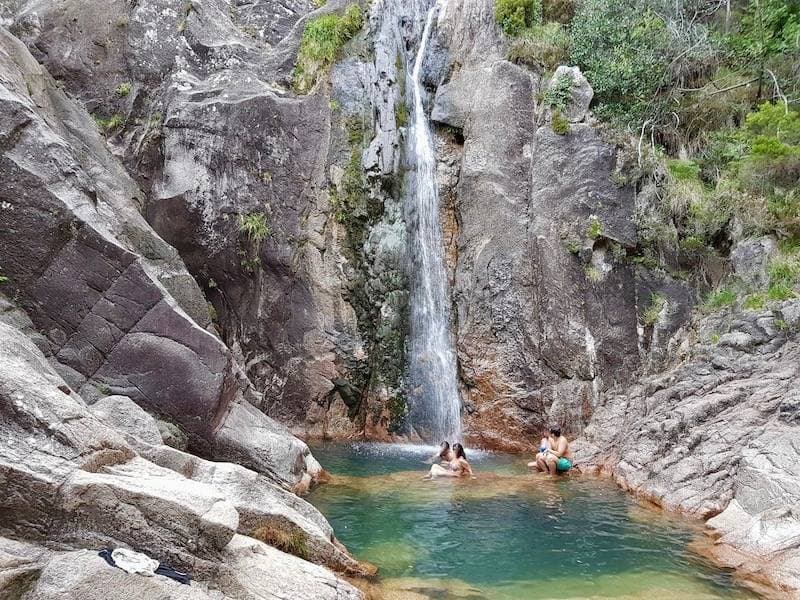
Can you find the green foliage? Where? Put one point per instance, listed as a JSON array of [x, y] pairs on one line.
[[514, 16], [593, 274], [573, 246], [683, 170], [559, 123], [3, 279], [254, 226], [108, 124], [720, 298], [558, 11], [559, 92], [323, 39], [400, 114], [784, 273], [595, 229], [622, 46], [544, 46], [755, 301], [123, 89], [653, 312], [767, 28]]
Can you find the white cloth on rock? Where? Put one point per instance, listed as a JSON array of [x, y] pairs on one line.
[[134, 562]]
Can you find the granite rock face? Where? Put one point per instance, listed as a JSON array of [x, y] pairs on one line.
[[73, 481], [546, 303], [117, 311], [316, 312], [715, 435]]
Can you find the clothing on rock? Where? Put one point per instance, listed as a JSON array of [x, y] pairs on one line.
[[141, 564]]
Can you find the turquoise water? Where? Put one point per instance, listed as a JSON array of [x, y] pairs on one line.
[[507, 534]]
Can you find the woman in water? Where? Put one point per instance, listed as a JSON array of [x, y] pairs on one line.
[[457, 467], [445, 455]]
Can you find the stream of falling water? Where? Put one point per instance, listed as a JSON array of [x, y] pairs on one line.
[[435, 405]]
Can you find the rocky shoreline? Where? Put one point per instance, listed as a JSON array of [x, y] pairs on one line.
[[715, 436]]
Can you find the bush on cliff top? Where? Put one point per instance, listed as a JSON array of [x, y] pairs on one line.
[[323, 39], [514, 16], [545, 46]]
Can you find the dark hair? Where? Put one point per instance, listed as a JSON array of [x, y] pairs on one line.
[[445, 447], [459, 450], [555, 430]]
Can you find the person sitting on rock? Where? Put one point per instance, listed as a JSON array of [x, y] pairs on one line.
[[557, 457], [539, 462], [458, 467]]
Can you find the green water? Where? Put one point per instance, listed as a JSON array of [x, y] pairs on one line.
[[506, 534]]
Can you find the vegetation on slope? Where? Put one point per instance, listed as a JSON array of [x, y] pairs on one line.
[[703, 96], [322, 43]]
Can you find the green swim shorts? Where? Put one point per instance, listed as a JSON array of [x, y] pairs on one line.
[[563, 464]]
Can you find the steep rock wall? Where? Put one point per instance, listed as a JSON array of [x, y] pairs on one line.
[[545, 314]]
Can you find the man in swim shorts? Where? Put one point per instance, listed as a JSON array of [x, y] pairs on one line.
[[559, 458]]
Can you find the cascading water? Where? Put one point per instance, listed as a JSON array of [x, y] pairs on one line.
[[435, 405]]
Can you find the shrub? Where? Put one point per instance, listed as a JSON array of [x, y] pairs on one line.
[[784, 273], [683, 170], [593, 274], [254, 225], [559, 92], [323, 39], [595, 229], [545, 46], [755, 301], [653, 312], [123, 89], [622, 47], [559, 123], [558, 11], [514, 16], [720, 299], [780, 291], [107, 124]]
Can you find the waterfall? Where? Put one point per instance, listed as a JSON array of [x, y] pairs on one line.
[[435, 405]]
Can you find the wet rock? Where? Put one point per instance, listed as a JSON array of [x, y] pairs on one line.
[[266, 510], [250, 438]]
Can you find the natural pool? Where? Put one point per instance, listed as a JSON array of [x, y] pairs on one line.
[[506, 535]]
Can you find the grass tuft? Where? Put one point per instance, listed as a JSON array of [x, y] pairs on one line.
[[254, 225]]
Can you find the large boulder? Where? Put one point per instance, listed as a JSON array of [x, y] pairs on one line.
[[71, 480], [266, 511], [124, 415], [264, 572], [88, 269]]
